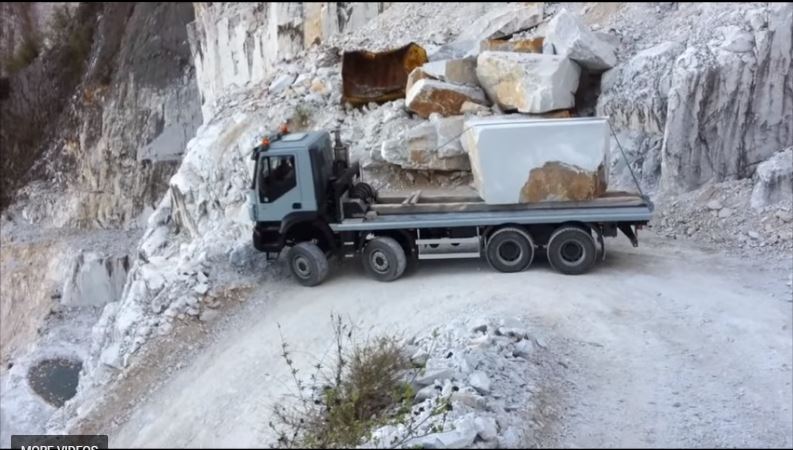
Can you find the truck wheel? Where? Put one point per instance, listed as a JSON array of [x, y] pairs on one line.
[[384, 259], [571, 250], [510, 250], [308, 264]]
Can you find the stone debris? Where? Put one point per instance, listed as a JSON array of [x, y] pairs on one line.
[[474, 108], [714, 205], [480, 382], [434, 376], [282, 82], [489, 389], [710, 81], [434, 145], [527, 82], [420, 357], [523, 349], [201, 288], [722, 214], [457, 71], [774, 180], [567, 36], [209, 315]]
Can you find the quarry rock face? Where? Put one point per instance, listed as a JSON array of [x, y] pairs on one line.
[[527, 82], [567, 36], [95, 280], [527, 161], [236, 44], [133, 143], [429, 96], [633, 95], [123, 130], [730, 102]]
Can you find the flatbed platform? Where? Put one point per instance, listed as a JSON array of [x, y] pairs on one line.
[[461, 207]]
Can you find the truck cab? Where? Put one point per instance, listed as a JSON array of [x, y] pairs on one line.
[[290, 176], [292, 190]]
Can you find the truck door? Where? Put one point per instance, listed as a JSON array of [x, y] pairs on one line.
[[278, 187]]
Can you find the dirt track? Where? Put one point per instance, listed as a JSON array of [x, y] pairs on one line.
[[660, 346]]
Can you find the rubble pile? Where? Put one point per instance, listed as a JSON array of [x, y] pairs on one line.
[[753, 215], [478, 387], [511, 79]]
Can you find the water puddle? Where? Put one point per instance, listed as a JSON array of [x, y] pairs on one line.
[[55, 380]]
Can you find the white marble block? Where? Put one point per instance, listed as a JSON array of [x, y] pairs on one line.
[[535, 160]]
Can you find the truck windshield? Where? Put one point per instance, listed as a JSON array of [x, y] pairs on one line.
[[277, 177]]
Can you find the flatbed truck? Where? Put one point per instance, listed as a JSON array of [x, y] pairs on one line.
[[307, 197]]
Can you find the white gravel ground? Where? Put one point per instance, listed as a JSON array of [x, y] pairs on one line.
[[664, 345]]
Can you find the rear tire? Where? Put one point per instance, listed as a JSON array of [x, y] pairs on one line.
[[571, 250], [510, 250], [384, 259], [308, 264]]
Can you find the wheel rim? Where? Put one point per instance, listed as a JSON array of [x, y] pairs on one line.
[[572, 252], [379, 261], [301, 266], [510, 252]]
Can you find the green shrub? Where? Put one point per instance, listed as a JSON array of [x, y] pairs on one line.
[[362, 390]]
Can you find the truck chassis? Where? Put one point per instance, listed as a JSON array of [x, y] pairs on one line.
[[401, 227]]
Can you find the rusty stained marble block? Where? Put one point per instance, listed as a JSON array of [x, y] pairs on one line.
[[427, 96]]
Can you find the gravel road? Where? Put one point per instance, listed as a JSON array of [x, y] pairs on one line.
[[662, 345]]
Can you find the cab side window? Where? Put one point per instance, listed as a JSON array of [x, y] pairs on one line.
[[278, 177]]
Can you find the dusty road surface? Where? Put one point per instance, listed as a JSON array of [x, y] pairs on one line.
[[662, 345]]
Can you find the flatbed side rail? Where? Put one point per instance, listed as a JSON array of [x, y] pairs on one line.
[[637, 214]]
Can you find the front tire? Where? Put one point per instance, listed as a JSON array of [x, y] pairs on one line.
[[510, 249], [308, 264], [571, 250], [384, 259]]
